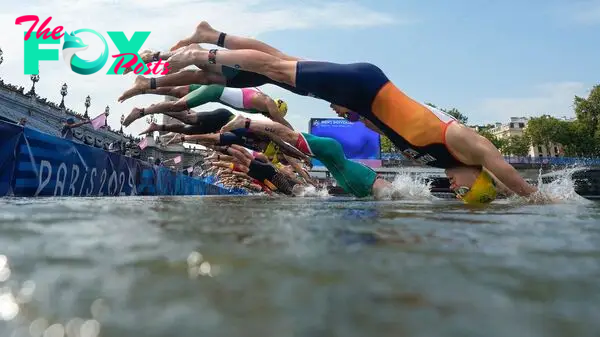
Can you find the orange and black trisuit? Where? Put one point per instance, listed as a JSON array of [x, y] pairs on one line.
[[417, 130]]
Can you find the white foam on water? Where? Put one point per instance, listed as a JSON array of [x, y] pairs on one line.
[[311, 191], [561, 189], [407, 187]]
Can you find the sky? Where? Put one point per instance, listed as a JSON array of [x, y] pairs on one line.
[[491, 60]]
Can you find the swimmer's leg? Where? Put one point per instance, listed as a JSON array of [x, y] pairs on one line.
[[144, 85], [206, 34], [163, 107], [141, 86], [205, 139], [280, 134], [204, 94], [354, 86], [276, 68], [266, 127], [240, 154], [139, 89], [239, 167], [353, 177], [175, 128]]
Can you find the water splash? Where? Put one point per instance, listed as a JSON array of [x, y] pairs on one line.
[[560, 189], [311, 191], [408, 187], [563, 186]]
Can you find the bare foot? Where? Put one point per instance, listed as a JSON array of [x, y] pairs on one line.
[[204, 34], [153, 127], [146, 55], [237, 123], [133, 115], [167, 137], [181, 59], [140, 85], [175, 140]]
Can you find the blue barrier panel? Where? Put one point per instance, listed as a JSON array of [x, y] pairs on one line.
[[10, 135], [38, 164]]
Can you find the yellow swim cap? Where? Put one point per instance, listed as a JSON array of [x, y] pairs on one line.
[[281, 106], [483, 190]]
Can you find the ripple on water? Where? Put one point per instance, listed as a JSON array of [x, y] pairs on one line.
[[189, 266]]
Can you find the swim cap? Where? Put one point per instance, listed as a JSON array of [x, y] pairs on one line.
[[281, 106], [483, 190]]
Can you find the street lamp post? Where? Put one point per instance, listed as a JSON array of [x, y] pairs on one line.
[[63, 93], [88, 102], [122, 120], [34, 78], [1, 57], [106, 112]]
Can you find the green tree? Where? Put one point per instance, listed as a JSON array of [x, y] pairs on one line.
[[452, 112], [386, 144], [544, 130], [587, 111], [579, 140], [457, 114], [499, 143], [517, 146]]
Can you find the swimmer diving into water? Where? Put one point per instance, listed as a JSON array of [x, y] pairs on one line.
[[355, 178], [250, 100], [427, 135], [212, 73], [195, 122]]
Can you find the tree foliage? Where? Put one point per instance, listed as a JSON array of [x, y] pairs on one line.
[[586, 131], [499, 143], [544, 130], [386, 144], [452, 112], [517, 146]]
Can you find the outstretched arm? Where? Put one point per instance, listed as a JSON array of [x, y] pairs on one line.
[[274, 112], [299, 169], [492, 160], [288, 149]]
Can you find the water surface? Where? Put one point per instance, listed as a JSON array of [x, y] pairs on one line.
[[259, 266]]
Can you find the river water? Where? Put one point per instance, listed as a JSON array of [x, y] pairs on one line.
[[318, 266]]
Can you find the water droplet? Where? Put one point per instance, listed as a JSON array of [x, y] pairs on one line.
[[73, 328], [55, 330], [26, 292], [205, 268], [3, 261], [4, 274], [90, 328], [9, 308], [37, 327], [194, 258], [99, 308]]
